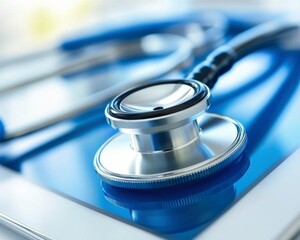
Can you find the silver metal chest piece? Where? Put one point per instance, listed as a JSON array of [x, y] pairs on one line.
[[167, 137]]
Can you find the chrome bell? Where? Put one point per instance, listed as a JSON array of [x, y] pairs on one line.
[[167, 137]]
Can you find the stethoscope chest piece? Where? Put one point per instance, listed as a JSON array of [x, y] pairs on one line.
[[167, 137]]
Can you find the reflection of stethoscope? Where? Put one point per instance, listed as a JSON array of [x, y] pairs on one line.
[[198, 201], [177, 39], [167, 138]]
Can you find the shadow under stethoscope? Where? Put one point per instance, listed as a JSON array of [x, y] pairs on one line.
[[174, 210]]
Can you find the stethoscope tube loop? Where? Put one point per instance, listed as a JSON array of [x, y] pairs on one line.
[[179, 52]]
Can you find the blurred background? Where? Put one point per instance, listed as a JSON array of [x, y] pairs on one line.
[[61, 155], [40, 24]]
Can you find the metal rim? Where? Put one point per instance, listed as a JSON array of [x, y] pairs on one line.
[[115, 110], [169, 120]]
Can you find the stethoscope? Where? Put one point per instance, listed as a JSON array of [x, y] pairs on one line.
[[178, 39], [167, 137], [179, 44]]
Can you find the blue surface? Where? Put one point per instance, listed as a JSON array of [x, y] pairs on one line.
[[2, 130], [268, 107]]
